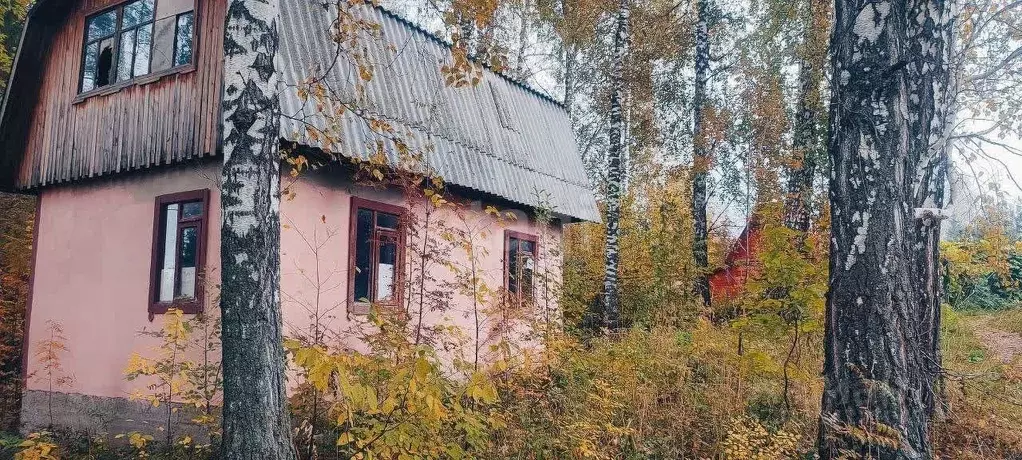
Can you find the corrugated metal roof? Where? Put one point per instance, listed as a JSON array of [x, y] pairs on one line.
[[498, 137]]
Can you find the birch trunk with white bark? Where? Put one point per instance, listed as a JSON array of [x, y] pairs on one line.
[[256, 424], [932, 110], [611, 298], [806, 141], [800, 178]]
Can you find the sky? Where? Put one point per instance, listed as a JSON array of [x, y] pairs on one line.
[[1000, 172]]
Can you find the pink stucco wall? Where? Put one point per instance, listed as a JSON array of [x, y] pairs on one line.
[[93, 265]]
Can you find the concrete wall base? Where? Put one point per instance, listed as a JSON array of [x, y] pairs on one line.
[[97, 415]]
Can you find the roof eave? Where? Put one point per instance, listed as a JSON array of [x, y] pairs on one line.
[[8, 181]]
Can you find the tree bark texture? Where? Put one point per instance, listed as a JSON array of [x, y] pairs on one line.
[[806, 141], [932, 110], [800, 177], [889, 67], [611, 298], [256, 424], [700, 155], [569, 54]]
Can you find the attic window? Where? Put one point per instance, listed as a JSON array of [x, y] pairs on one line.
[[503, 114], [135, 39]]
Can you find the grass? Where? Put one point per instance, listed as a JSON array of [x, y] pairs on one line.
[[1009, 319], [984, 395]]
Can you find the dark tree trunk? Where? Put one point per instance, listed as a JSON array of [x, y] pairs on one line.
[[700, 156], [569, 80], [255, 418], [611, 300], [806, 137], [569, 54], [523, 40], [889, 79]]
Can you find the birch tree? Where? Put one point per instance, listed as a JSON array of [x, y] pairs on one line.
[[611, 300], [931, 108], [255, 418], [888, 114], [700, 155]]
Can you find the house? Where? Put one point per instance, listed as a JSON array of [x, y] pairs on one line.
[[112, 119], [728, 282]]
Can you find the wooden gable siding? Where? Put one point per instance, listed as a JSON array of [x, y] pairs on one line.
[[154, 122]]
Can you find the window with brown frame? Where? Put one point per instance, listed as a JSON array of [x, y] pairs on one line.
[[376, 252], [134, 39], [519, 263], [179, 252]]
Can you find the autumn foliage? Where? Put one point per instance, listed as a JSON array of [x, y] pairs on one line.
[[16, 224], [538, 377]]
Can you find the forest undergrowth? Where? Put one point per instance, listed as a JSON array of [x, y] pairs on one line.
[[658, 393], [739, 381]]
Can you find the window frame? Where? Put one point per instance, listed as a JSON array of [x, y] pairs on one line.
[[521, 236], [354, 305], [177, 23], [135, 80], [119, 8], [195, 304]]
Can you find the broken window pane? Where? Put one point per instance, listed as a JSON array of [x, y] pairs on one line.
[[102, 25], [120, 43], [105, 64], [187, 257], [168, 267], [124, 64], [89, 67], [143, 45], [183, 39]]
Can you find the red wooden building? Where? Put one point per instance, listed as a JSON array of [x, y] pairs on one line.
[[728, 282]]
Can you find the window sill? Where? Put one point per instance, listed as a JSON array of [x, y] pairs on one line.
[[188, 307], [363, 308], [359, 308], [138, 81]]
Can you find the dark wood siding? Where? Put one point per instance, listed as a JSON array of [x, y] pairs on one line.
[[156, 121]]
